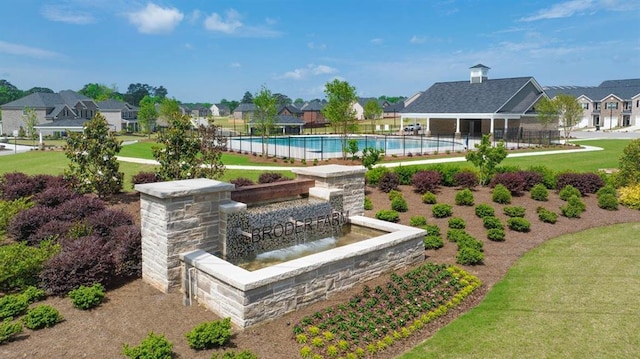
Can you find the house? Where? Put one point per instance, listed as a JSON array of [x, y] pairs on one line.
[[290, 110], [219, 109], [63, 111], [477, 106], [119, 113], [312, 113], [360, 104], [244, 111], [613, 103], [284, 124]]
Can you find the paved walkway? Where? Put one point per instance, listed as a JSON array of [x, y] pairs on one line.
[[10, 149]]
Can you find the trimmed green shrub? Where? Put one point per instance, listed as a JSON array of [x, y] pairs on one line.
[[548, 176], [388, 215], [399, 204], [42, 316], [519, 224], [429, 198], [33, 294], [13, 305], [368, 205], [490, 222], [574, 207], [546, 216], [405, 173], [469, 256], [464, 197], [514, 211], [608, 202], [470, 242], [87, 297], [608, 189], [567, 191], [496, 234], [485, 210], [245, 354], [501, 194], [442, 210], [9, 329], [152, 347], [457, 223], [540, 193], [417, 221], [433, 242], [455, 235], [8, 209], [210, 335], [432, 229], [393, 194], [373, 175]]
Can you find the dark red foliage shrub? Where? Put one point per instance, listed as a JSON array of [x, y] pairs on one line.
[[530, 179], [513, 181], [54, 196], [270, 177], [426, 181], [50, 230], [44, 181], [26, 223], [16, 185], [104, 222], [144, 177], [466, 179], [584, 182], [82, 261], [388, 181], [242, 182], [78, 208], [127, 251]]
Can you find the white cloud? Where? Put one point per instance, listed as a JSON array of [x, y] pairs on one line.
[[231, 24], [310, 70], [376, 41], [22, 50], [313, 46], [66, 14], [154, 19], [194, 16], [418, 39], [564, 9]]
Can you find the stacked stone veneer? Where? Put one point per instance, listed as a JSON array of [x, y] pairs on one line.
[[188, 227]]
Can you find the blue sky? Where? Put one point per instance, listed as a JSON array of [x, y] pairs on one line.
[[205, 50]]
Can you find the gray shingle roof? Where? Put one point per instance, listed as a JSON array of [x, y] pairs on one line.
[[624, 89], [111, 104], [245, 107], [313, 106], [466, 97], [42, 100]]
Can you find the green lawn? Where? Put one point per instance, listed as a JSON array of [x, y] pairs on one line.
[[575, 296]]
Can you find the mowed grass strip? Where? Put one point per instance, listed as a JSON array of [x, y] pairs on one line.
[[575, 296]]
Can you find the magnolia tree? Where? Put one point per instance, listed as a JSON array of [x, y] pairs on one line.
[[93, 166]]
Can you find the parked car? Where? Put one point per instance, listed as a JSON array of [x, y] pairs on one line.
[[413, 127]]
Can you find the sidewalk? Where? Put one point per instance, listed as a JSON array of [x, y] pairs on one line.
[[10, 149]]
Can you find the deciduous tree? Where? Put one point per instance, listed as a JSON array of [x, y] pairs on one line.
[[372, 111], [339, 110], [92, 153], [265, 115], [487, 157], [147, 114], [562, 109], [30, 119], [247, 98]]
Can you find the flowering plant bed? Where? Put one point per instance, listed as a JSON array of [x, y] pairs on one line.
[[377, 317]]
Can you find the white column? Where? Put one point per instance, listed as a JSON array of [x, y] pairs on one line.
[[506, 124], [458, 125], [40, 136], [491, 128], [428, 124]]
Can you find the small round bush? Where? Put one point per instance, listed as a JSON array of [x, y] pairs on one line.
[[144, 177], [245, 354], [539, 192], [469, 241], [270, 177], [42, 316], [432, 229], [608, 202], [574, 207], [568, 191], [433, 242], [417, 221], [13, 305], [393, 194], [405, 173], [496, 234], [426, 181], [388, 215], [388, 181], [87, 297], [429, 198], [630, 196], [399, 204], [442, 210], [368, 205], [608, 189], [519, 224], [490, 222], [485, 210], [514, 211], [464, 197], [501, 194], [457, 235], [469, 256], [372, 176], [546, 216], [209, 335], [457, 223], [466, 179], [153, 346], [242, 182], [9, 329]]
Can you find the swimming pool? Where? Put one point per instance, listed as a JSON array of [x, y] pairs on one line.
[[327, 146]]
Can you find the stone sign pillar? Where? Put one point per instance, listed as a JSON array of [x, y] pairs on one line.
[[349, 179], [178, 217]]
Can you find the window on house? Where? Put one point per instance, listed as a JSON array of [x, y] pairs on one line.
[[612, 105], [626, 105], [585, 105], [596, 105]]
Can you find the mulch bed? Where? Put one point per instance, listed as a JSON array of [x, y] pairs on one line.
[[134, 309]]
